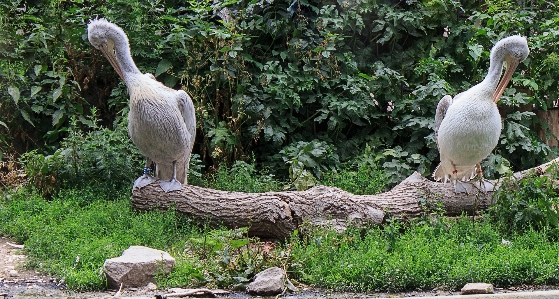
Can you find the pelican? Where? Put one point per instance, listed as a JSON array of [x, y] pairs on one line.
[[161, 121], [467, 128]]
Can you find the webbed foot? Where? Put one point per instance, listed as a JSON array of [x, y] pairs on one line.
[[463, 187], [172, 185], [143, 181], [485, 185]]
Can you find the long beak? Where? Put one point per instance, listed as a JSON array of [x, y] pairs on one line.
[[512, 64], [108, 50]]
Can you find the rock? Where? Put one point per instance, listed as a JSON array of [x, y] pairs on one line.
[[151, 286], [271, 281], [477, 288], [137, 267]]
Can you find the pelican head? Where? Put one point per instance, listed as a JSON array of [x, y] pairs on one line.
[[513, 50], [113, 43]]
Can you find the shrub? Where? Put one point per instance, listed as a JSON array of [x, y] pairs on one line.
[[99, 157], [528, 204], [339, 74]]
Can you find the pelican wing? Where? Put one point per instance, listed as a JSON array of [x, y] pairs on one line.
[[186, 107], [442, 107], [187, 110]]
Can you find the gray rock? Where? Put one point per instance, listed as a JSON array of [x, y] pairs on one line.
[[477, 288], [271, 281], [137, 267]]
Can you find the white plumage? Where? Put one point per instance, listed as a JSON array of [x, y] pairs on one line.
[[161, 121], [467, 128]]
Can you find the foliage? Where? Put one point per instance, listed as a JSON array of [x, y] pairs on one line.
[[341, 75], [528, 204], [243, 177], [72, 235], [357, 179], [100, 157], [231, 257], [442, 253], [308, 158]]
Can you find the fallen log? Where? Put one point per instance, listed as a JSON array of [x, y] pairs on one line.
[[277, 214]]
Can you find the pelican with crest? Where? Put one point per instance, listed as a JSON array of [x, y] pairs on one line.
[[161, 120], [467, 128]]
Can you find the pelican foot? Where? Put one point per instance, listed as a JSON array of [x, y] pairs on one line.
[[143, 181], [485, 185], [463, 187], [172, 185]]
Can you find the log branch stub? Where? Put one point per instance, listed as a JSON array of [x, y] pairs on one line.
[[278, 214]]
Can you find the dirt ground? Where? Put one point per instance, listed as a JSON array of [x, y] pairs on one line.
[[18, 282]]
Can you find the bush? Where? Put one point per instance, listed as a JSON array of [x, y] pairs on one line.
[[264, 78], [101, 157], [529, 204]]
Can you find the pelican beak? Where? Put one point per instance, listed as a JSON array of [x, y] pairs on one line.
[[109, 52], [512, 64]]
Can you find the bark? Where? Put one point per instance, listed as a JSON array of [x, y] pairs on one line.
[[278, 214]]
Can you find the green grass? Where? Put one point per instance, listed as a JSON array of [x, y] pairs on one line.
[[364, 180], [424, 256], [81, 223], [94, 225]]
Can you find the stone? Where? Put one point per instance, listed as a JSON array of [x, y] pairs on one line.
[[151, 286], [137, 267], [271, 281], [477, 288]]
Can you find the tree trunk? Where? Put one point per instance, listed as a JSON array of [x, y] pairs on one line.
[[278, 214]]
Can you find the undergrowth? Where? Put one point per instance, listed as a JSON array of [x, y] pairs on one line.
[[71, 235], [72, 229], [424, 256]]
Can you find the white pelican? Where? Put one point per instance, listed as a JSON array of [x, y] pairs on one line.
[[467, 128], [161, 121]]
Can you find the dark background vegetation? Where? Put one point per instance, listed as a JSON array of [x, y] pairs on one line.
[[300, 91], [341, 93]]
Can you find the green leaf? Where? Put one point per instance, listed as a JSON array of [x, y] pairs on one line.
[[239, 243], [232, 54], [365, 76], [56, 94], [475, 51], [35, 90], [14, 92], [56, 116], [4, 124], [170, 80], [162, 67], [26, 117], [38, 69]]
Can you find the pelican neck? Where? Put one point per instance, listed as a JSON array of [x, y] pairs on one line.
[[124, 57], [493, 76]]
